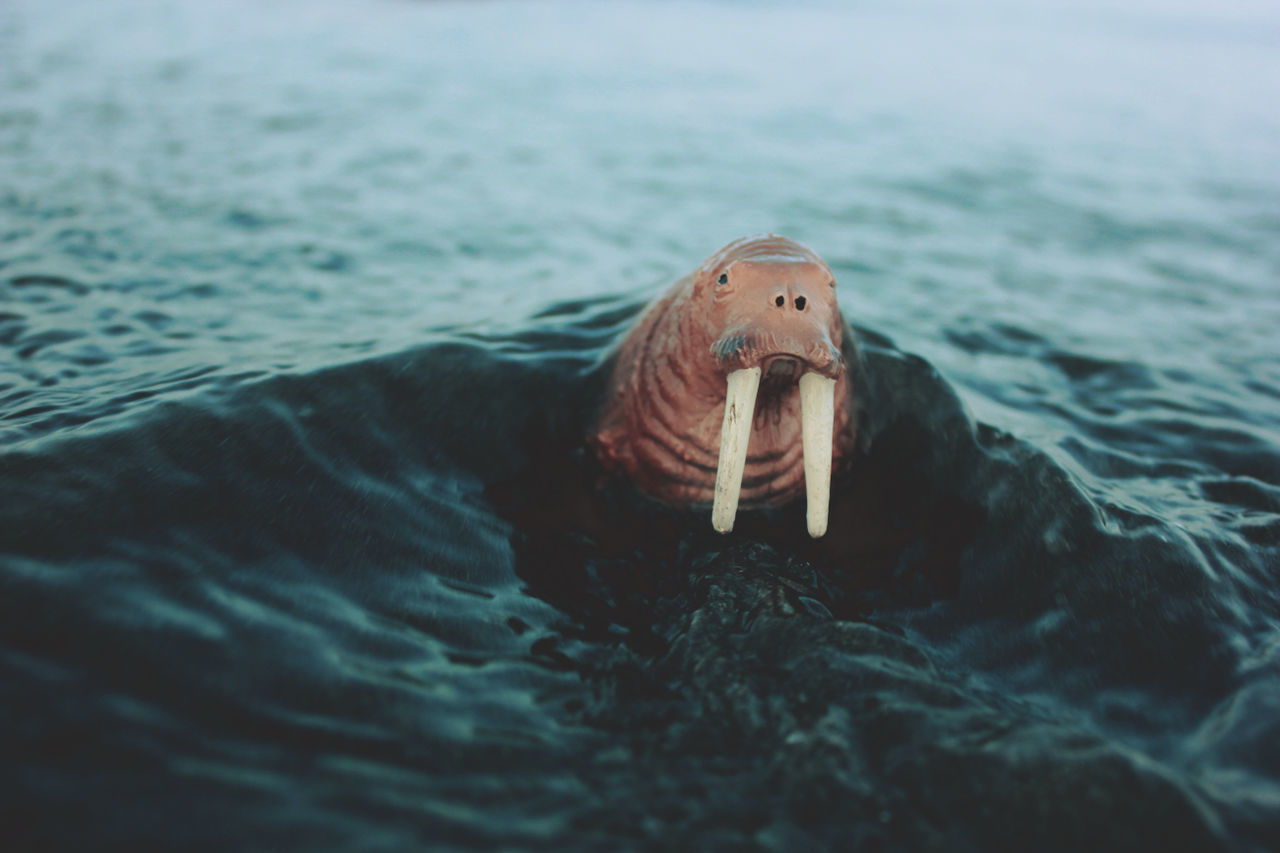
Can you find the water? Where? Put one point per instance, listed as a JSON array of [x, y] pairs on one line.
[[304, 312]]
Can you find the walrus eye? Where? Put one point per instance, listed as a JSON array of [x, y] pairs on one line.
[[799, 303], [723, 279], [780, 301]]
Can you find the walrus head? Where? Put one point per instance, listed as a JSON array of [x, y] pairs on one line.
[[732, 386]]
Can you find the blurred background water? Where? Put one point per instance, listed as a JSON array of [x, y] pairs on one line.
[[282, 287]]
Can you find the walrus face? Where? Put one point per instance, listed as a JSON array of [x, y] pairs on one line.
[[776, 315], [744, 351]]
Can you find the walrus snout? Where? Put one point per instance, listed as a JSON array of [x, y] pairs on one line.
[[811, 361], [740, 349]]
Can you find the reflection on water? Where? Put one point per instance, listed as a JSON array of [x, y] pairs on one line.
[[302, 317]]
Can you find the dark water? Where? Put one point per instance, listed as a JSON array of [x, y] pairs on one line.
[[304, 312]]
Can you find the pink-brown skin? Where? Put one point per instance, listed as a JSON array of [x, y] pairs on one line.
[[764, 301]]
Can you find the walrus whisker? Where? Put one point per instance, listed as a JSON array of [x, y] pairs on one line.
[[734, 346], [735, 434]]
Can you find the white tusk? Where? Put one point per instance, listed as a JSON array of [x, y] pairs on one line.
[[817, 421], [739, 412]]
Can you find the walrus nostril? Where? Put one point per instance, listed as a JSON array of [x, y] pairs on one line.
[[800, 303], [780, 301]]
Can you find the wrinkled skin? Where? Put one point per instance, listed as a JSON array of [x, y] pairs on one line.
[[763, 301]]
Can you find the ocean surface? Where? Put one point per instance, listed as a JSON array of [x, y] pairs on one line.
[[306, 309]]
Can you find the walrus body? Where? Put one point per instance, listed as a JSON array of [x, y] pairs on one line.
[[741, 358]]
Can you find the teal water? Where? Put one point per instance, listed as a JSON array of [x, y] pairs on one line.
[[295, 299]]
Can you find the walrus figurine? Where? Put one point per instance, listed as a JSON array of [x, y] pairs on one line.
[[732, 387]]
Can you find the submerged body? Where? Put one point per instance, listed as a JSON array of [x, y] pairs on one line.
[[732, 387]]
